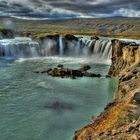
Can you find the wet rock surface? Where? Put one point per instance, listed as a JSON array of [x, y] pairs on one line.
[[62, 72]]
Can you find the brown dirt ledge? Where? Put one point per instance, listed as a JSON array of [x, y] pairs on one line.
[[120, 119]]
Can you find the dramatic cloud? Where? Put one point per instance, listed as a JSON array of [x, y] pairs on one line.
[[45, 9], [127, 12]]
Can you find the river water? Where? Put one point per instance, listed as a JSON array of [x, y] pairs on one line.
[[39, 107]]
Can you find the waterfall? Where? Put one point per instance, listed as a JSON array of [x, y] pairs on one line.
[[34, 49], [19, 47], [49, 47], [61, 48], [99, 50], [102, 50], [87, 43], [78, 46]]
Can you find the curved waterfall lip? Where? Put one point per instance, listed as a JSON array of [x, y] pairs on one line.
[[98, 49], [130, 40], [24, 47], [16, 40]]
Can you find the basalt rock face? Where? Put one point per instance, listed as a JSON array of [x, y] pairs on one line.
[[120, 119]]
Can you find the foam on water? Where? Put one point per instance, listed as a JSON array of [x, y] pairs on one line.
[[57, 59]]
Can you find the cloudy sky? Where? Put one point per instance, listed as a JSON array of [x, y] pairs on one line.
[[45, 9]]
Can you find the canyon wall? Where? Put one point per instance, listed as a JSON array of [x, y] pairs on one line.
[[121, 118], [124, 55]]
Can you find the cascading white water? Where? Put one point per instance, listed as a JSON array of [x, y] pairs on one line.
[[61, 48], [19, 47], [87, 45], [47, 47], [100, 50], [78, 46]]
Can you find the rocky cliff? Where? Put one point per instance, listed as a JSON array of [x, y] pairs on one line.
[[120, 119], [124, 55]]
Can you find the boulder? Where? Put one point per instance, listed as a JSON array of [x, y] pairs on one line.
[[88, 74], [60, 66], [85, 68], [60, 71], [94, 38], [70, 37]]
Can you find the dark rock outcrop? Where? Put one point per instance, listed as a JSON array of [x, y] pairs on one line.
[[6, 33], [70, 41], [60, 71], [70, 37]]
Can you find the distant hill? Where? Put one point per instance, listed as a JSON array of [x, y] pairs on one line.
[[118, 26]]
